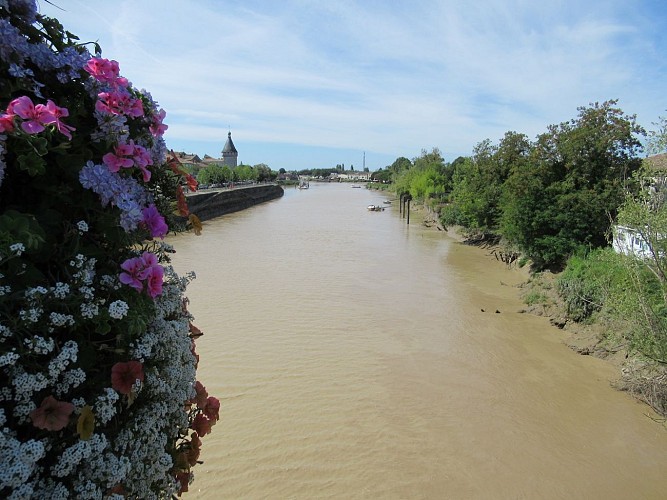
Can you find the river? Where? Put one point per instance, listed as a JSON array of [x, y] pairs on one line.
[[352, 359]]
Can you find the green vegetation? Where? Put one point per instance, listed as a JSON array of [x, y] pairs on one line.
[[216, 174], [553, 202], [545, 199]]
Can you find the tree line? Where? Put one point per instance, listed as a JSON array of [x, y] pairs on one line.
[[544, 198]]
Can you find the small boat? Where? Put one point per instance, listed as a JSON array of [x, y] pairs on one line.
[[388, 202], [375, 208], [355, 186]]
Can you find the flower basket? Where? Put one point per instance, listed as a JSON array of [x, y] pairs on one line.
[[98, 389]]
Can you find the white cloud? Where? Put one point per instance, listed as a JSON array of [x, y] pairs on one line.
[[387, 76]]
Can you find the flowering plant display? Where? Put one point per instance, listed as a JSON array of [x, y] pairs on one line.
[[98, 390]]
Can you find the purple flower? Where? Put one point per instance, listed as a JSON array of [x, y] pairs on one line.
[[154, 222]]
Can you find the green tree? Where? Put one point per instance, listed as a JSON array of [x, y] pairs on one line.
[[263, 173], [657, 139], [565, 194], [211, 174], [478, 183]]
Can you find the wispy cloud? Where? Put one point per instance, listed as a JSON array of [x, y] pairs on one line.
[[389, 77]]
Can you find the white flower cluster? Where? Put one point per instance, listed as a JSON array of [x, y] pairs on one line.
[[118, 309], [92, 467], [105, 405]]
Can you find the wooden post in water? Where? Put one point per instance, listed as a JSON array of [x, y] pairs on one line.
[[409, 198]]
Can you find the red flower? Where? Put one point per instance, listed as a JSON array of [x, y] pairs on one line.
[[184, 479], [182, 202], [124, 375], [52, 415], [195, 449], [201, 395], [212, 408], [201, 425]]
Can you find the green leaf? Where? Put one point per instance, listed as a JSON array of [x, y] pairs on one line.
[[32, 163]]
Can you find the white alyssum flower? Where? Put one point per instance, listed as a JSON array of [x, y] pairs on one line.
[[59, 319], [118, 309], [71, 379], [105, 405], [9, 358], [60, 290], [82, 226], [17, 248], [89, 310], [31, 315], [39, 345]]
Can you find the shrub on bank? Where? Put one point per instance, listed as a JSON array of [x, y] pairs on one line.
[[98, 389]]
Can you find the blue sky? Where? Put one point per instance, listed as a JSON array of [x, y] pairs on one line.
[[311, 84]]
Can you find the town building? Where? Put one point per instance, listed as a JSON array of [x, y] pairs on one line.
[[229, 154]]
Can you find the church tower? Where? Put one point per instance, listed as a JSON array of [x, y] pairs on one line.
[[229, 154]]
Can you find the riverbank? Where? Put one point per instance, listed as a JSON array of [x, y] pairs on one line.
[[209, 204], [540, 297]]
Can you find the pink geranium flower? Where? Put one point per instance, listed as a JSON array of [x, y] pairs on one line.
[[7, 123], [154, 222], [34, 117], [157, 128], [132, 275], [52, 415], [154, 279], [125, 374], [119, 103], [56, 113], [142, 269], [120, 158], [104, 70]]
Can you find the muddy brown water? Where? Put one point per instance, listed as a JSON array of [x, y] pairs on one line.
[[352, 359]]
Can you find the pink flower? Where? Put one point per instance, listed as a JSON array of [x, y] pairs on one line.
[[125, 374], [7, 123], [154, 222], [52, 415], [132, 276], [56, 113], [154, 279], [201, 425], [142, 159], [212, 409], [119, 103], [34, 117], [106, 71], [143, 269], [119, 158], [149, 259], [157, 128]]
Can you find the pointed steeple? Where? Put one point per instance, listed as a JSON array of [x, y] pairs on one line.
[[229, 153], [229, 145]]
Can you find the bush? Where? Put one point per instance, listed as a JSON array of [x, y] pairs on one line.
[[585, 283], [98, 389]]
